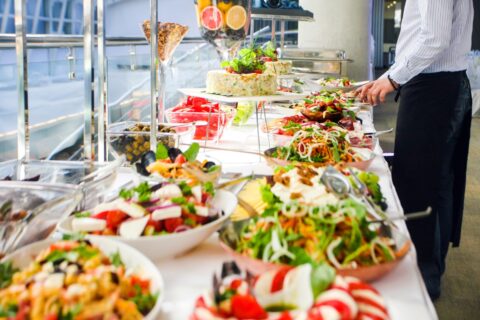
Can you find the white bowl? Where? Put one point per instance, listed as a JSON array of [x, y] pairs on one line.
[[174, 244], [132, 259]]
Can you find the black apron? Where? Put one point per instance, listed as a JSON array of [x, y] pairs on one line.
[[430, 162]]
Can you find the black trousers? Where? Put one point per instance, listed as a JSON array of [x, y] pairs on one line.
[[430, 163]]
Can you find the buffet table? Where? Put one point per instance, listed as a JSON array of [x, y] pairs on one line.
[[188, 276]]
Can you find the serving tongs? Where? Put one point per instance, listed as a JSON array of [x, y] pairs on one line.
[[379, 133], [12, 230], [338, 183]]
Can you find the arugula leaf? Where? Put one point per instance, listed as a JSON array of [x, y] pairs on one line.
[[321, 278], [116, 259], [73, 236], [213, 168], [192, 152], [301, 256], [161, 152], [6, 274]]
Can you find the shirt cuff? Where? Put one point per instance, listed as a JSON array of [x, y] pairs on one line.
[[400, 75]]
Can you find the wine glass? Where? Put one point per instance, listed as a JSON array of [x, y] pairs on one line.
[[224, 24]]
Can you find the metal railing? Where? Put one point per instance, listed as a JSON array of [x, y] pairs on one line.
[[7, 40]]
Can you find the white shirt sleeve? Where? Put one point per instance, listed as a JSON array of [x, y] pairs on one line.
[[434, 38]]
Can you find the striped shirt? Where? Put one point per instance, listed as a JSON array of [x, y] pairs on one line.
[[435, 36]]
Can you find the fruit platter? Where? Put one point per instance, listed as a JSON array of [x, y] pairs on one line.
[[213, 117]]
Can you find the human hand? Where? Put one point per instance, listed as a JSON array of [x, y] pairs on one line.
[[375, 91]]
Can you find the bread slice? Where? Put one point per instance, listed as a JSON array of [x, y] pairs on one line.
[[169, 37]]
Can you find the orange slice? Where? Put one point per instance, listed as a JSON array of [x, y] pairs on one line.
[[211, 18], [236, 17]]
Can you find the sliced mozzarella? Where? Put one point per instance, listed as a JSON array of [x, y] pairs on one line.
[[328, 313], [102, 207], [75, 290], [88, 224], [202, 211], [167, 212], [169, 191], [297, 287], [132, 209], [341, 296], [262, 290], [133, 228], [197, 193]]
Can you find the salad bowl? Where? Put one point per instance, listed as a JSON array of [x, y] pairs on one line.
[[134, 261], [366, 155], [230, 236], [163, 246]]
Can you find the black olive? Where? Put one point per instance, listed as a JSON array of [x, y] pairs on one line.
[[209, 164], [173, 153]]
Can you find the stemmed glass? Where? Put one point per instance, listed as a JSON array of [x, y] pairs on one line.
[[224, 24]]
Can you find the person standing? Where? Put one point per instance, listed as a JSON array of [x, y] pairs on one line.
[[433, 124]]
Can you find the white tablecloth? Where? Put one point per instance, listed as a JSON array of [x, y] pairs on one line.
[[188, 276], [476, 101]]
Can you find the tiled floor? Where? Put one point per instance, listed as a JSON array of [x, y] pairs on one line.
[[461, 284]]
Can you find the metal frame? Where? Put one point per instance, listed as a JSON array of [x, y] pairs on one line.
[[102, 82], [23, 133], [154, 64], [88, 75]]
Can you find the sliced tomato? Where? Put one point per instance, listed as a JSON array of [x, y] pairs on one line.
[[286, 316], [157, 224], [236, 284], [142, 283], [101, 215], [172, 223], [115, 218], [278, 279], [180, 159], [247, 307]]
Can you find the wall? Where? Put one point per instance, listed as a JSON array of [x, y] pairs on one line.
[[340, 24], [124, 18]]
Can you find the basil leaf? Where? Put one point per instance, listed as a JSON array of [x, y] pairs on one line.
[[6, 274], [192, 152], [162, 152], [321, 278]]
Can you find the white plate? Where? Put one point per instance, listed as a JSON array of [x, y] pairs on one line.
[[132, 259], [174, 244], [280, 96]]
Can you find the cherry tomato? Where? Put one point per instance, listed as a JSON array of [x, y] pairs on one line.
[[115, 218], [101, 215], [172, 223], [247, 307], [157, 224]]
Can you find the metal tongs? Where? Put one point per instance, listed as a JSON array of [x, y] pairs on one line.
[[338, 183]]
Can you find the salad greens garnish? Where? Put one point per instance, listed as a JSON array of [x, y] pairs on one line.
[[321, 278], [144, 301], [6, 273], [161, 152], [84, 214], [116, 259], [247, 61], [142, 191], [9, 311], [192, 152]]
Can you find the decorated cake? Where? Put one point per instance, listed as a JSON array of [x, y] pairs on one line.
[[243, 76]]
